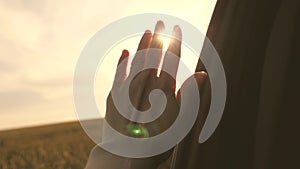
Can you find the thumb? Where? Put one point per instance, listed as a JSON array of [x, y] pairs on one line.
[[200, 79]]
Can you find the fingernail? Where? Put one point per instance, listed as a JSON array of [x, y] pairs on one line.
[[160, 26], [177, 32], [125, 53], [202, 75], [160, 22], [148, 31], [177, 27]]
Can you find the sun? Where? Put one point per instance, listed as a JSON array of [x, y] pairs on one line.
[[166, 41]]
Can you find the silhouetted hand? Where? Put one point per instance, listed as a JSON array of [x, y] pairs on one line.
[[142, 82]]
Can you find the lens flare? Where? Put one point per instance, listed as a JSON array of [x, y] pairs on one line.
[[166, 41], [137, 130]]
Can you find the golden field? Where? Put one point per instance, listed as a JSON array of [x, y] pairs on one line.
[[60, 146]]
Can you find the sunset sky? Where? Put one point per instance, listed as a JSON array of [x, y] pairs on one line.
[[41, 40]]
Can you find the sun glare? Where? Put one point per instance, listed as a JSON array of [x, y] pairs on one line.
[[166, 41]]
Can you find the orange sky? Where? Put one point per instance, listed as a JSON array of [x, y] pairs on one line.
[[40, 42]]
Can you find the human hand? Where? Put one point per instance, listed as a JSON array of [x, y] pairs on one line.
[[142, 82]]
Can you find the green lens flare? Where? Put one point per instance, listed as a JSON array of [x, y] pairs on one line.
[[137, 130]]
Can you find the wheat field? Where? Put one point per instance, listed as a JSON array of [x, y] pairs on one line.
[[60, 146]]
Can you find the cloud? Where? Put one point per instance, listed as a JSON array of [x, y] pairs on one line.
[[27, 108], [55, 82], [18, 100], [5, 67], [39, 44]]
